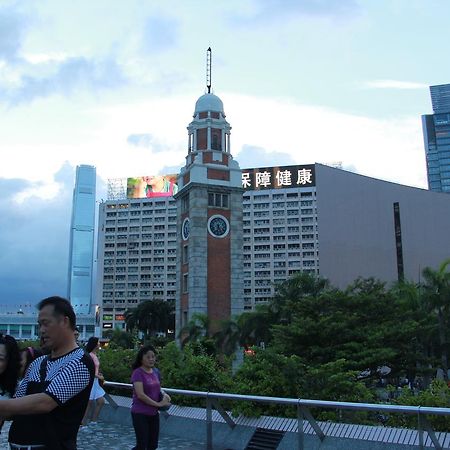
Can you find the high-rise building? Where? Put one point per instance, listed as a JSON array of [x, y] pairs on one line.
[[436, 132], [306, 218], [81, 251]]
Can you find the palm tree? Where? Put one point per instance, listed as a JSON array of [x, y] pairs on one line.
[[228, 336], [437, 293], [195, 330], [151, 317]]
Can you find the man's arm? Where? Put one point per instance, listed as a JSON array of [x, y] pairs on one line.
[[29, 404]]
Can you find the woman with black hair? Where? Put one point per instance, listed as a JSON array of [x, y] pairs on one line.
[[9, 367], [97, 397], [147, 398]]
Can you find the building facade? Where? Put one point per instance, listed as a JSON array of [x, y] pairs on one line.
[[136, 260], [436, 131], [81, 249]]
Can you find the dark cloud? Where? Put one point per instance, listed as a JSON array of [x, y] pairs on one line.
[[34, 238], [12, 26], [160, 33], [251, 156], [71, 75], [147, 140]]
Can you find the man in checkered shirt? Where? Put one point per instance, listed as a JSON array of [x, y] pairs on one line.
[[51, 399]]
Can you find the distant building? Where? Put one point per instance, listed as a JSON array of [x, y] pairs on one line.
[[436, 131], [24, 326], [136, 260], [81, 249]]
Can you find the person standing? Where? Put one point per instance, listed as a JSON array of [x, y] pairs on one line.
[[147, 398], [51, 399], [97, 396], [9, 367]]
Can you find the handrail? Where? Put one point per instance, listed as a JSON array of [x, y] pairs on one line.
[[303, 411]]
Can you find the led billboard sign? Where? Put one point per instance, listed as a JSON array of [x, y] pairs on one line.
[[278, 177], [152, 186]]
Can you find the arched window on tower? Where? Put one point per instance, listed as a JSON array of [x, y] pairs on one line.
[[215, 145]]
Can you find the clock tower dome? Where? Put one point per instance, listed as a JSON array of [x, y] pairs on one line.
[[209, 205]]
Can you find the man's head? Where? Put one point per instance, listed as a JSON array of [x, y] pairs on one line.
[[76, 334], [57, 322]]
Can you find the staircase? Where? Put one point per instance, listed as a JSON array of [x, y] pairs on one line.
[[264, 439]]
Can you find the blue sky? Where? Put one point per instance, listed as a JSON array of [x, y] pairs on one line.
[[114, 84]]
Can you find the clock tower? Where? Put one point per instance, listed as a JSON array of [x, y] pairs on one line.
[[209, 218]]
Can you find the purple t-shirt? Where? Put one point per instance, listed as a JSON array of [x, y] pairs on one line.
[[152, 389]]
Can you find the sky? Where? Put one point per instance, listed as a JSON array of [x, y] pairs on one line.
[[114, 84]]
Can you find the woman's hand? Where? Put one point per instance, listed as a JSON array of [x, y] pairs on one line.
[[165, 401]]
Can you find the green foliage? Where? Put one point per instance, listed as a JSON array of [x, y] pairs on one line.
[[115, 364], [120, 339], [151, 317], [186, 369], [437, 395]]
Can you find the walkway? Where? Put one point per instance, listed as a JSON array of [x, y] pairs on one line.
[[114, 437]]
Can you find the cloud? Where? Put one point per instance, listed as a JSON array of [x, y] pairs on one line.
[[251, 155], [12, 26], [68, 76], [393, 84], [34, 238], [160, 34], [273, 10], [147, 140]]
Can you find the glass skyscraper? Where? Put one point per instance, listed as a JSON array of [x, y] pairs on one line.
[[436, 133], [81, 250]]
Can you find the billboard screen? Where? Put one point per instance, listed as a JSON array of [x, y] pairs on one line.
[[278, 177], [152, 186]]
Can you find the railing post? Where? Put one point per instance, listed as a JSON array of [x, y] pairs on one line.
[[300, 433], [209, 437], [420, 429]]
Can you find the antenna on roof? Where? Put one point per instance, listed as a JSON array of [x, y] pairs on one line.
[[208, 69]]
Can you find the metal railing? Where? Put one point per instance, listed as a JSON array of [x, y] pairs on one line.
[[303, 412]]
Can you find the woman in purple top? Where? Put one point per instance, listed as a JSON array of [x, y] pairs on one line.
[[147, 398]]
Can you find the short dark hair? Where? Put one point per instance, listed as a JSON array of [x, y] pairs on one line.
[[91, 344], [142, 351], [61, 307]]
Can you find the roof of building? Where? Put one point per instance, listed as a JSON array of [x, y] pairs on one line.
[[208, 102]]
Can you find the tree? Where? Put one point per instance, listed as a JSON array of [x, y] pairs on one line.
[[227, 337], [151, 317], [120, 339], [196, 331], [437, 293]]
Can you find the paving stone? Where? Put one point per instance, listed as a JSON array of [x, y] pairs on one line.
[[105, 436]]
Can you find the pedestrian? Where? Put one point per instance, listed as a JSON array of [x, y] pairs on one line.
[[27, 356], [97, 396], [76, 333], [51, 399], [147, 398], [9, 367]]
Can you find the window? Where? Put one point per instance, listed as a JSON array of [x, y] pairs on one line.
[[218, 200], [185, 254], [185, 283]]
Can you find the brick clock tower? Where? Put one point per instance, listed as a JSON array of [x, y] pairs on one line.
[[209, 218]]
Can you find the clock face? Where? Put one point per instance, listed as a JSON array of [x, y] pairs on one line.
[[218, 226], [186, 228]]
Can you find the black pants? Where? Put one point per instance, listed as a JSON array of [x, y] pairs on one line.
[[147, 431]]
